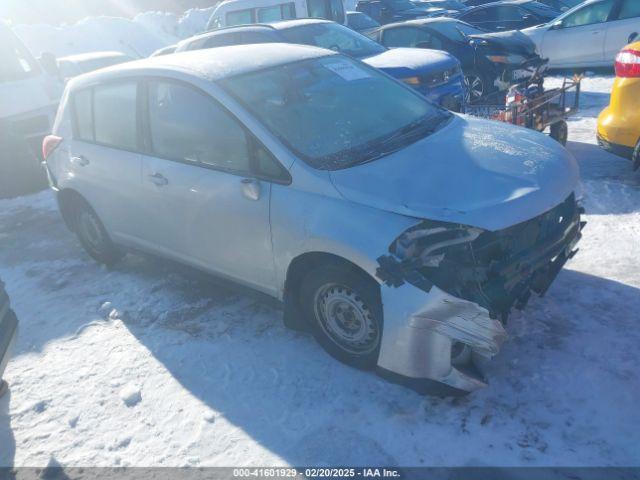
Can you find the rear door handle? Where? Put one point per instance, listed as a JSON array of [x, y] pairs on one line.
[[158, 179], [80, 161]]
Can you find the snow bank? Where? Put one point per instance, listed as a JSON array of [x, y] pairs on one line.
[[140, 36]]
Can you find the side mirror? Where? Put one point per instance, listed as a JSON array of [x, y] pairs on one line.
[[49, 64], [556, 26], [633, 37]]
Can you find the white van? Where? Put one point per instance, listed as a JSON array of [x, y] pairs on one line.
[[239, 12], [28, 101]]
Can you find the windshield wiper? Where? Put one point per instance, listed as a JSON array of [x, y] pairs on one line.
[[397, 140]]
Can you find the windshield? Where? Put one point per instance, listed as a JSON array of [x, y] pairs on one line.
[[359, 20], [16, 62], [456, 30], [334, 37], [399, 5], [322, 109]]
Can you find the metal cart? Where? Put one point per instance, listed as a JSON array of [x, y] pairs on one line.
[[529, 105]]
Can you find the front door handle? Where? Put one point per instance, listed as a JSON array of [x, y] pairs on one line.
[[80, 161], [158, 179], [251, 188]]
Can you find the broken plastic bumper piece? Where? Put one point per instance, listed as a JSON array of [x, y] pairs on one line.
[[473, 278]]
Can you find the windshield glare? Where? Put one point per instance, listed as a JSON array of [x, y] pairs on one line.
[[455, 30], [399, 5], [322, 109], [334, 37], [16, 63]]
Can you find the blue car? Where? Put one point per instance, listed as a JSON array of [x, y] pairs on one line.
[[435, 74]]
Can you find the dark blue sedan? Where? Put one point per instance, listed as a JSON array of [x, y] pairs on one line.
[[435, 74]]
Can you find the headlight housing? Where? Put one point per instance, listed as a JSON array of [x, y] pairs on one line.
[[512, 58]]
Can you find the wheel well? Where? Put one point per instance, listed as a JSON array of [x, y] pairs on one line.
[[68, 200], [298, 269]]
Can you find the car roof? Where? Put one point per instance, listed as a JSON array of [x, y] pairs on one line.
[[255, 27], [209, 64], [422, 21], [83, 57]]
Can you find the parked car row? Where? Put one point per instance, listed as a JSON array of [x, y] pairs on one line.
[[435, 74]]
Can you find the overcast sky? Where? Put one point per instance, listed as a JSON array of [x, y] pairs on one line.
[[69, 11]]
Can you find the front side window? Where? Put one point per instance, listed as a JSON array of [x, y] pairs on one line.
[[480, 16], [333, 37], [404, 37], [629, 9], [509, 14], [189, 126], [240, 17], [322, 110], [115, 115], [16, 63], [589, 15]]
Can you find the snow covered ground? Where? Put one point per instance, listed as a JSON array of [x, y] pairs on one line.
[[155, 364]]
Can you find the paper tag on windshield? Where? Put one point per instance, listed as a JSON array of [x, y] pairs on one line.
[[347, 70]]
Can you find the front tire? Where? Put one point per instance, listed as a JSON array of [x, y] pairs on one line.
[[475, 87], [344, 310], [93, 236]]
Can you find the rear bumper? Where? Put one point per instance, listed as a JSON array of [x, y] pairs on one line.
[[8, 329], [616, 149]]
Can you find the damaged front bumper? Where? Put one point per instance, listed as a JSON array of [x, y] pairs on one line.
[[473, 278]]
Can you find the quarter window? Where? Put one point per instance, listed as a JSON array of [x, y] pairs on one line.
[[630, 9], [187, 125], [114, 115], [589, 15], [83, 105]]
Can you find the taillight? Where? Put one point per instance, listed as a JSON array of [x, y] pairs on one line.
[[49, 144], [628, 64]]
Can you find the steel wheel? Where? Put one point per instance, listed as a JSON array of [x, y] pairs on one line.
[[346, 319], [90, 231], [474, 87]]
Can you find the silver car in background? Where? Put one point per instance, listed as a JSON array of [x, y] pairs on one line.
[[399, 233]]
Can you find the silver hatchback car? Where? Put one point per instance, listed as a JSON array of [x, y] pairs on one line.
[[399, 233]]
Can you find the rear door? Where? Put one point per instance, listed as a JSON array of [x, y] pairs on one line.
[[578, 39], [622, 29], [105, 154], [203, 188]]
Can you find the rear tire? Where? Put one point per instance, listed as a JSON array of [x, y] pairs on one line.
[[635, 158], [560, 132], [93, 236], [344, 311]]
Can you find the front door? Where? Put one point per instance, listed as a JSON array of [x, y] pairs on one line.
[[208, 208], [578, 39]]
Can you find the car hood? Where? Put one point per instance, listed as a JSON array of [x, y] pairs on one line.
[[474, 172], [512, 42], [405, 62]]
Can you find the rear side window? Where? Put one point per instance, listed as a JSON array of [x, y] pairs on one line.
[[274, 13], [107, 114], [222, 40], [630, 9], [189, 126], [115, 115], [408, 37]]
